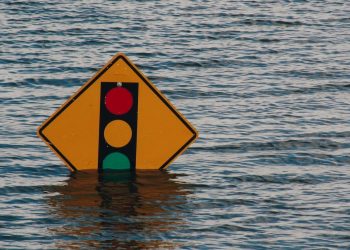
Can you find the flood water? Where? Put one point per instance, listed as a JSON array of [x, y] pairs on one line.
[[266, 83]]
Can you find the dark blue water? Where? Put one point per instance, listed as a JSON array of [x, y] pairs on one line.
[[266, 83]]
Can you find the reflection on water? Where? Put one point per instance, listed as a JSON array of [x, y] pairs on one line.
[[115, 210]]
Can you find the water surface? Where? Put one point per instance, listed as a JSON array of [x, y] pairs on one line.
[[266, 83]]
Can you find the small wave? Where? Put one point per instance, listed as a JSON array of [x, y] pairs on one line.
[[279, 178], [323, 144], [326, 88], [271, 22], [40, 82]]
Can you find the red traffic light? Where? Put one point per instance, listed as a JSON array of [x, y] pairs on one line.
[[119, 100]]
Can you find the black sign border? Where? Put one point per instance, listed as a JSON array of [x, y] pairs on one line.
[[166, 102]]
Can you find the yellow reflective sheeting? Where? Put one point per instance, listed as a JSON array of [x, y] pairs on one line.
[[162, 132]]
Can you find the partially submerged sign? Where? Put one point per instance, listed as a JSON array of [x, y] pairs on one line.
[[117, 120]]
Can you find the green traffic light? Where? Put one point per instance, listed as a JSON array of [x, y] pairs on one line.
[[116, 161]]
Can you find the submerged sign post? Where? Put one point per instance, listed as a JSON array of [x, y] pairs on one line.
[[118, 120]]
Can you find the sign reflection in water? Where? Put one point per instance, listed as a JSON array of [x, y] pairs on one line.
[[118, 210]]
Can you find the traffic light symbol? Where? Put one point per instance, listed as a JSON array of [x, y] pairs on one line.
[[118, 126]]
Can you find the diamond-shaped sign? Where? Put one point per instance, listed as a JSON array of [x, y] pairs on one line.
[[117, 120]]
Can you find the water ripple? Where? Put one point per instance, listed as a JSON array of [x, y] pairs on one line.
[[265, 82]]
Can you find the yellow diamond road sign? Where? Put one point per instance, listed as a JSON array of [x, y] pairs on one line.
[[118, 120]]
